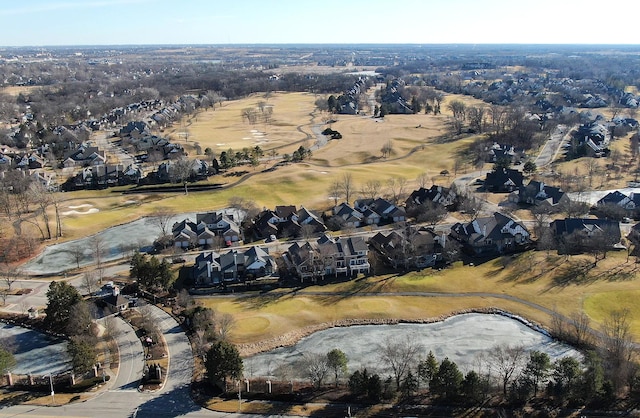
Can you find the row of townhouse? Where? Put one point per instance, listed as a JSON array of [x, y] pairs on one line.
[[324, 257], [409, 247], [208, 228], [289, 221], [327, 257], [212, 269]]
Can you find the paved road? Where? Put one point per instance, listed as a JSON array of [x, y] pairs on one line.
[[123, 399], [552, 146]]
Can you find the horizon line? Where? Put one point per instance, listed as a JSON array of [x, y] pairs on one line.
[[239, 44]]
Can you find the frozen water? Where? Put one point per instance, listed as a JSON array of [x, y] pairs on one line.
[[461, 338], [35, 352]]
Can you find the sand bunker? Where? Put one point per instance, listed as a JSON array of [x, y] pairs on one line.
[[73, 210]]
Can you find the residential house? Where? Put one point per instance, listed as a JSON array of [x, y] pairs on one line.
[[498, 152], [629, 202], [592, 139], [232, 266], [185, 234], [575, 235], [444, 196], [115, 301], [328, 256], [437, 195], [503, 180], [306, 217], [206, 269], [409, 247], [540, 194], [5, 161], [29, 161], [497, 234], [221, 224], [352, 218], [387, 211], [84, 156], [266, 224], [134, 129], [47, 180]]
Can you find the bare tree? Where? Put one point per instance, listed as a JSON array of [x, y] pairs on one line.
[[335, 192], [371, 189], [422, 180], [42, 198], [618, 346], [76, 251], [98, 249], [10, 276], [184, 299], [592, 167], [111, 327], [458, 109], [505, 361], [346, 186], [225, 323], [316, 367], [245, 208], [181, 171], [162, 220], [396, 187], [471, 206], [89, 282], [476, 118], [580, 323], [399, 356]]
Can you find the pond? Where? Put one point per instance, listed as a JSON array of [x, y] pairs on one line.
[[118, 241], [35, 352], [461, 338]]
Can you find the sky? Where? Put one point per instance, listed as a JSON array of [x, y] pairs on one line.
[[135, 22]]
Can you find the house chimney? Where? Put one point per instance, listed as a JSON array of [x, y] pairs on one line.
[[116, 290]]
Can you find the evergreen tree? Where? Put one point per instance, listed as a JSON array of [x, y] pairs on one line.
[[61, 298], [428, 368], [474, 387], [537, 369], [223, 361], [447, 381], [7, 361], [83, 354]]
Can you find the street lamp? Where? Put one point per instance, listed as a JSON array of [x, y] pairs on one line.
[[239, 385], [53, 395]]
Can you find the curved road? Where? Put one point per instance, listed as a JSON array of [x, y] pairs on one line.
[[123, 398]]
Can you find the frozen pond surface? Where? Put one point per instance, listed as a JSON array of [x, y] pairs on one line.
[[35, 352], [118, 240], [461, 338]]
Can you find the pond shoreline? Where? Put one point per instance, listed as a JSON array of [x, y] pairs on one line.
[[293, 337]]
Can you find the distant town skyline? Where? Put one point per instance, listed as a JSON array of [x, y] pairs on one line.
[[139, 22]]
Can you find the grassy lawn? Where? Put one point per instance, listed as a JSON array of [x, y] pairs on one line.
[[565, 285]]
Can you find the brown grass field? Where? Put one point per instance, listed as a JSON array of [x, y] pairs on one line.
[[566, 285], [421, 144]]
